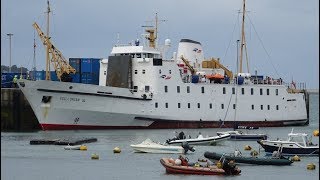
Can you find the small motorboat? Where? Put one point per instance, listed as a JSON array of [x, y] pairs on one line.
[[200, 140], [239, 135], [73, 147], [296, 144], [182, 166], [238, 158], [149, 146]]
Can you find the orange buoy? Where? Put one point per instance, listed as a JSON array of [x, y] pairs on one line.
[[316, 132]]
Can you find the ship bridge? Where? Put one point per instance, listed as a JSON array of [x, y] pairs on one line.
[[135, 51]]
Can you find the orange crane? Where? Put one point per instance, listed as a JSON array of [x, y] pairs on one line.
[[60, 64]]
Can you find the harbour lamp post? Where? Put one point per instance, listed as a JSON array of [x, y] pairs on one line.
[[10, 34]]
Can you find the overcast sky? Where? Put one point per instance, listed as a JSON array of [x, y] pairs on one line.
[[282, 36]]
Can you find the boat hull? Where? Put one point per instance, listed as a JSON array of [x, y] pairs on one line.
[[238, 136], [249, 160], [84, 106], [291, 150], [176, 169], [168, 124], [158, 150], [201, 141]]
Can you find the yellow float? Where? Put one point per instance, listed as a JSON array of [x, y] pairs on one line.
[[94, 156], [116, 150], [311, 166], [83, 148], [247, 148], [316, 132], [295, 158]]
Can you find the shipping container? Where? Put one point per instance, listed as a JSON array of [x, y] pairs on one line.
[[75, 63], [40, 75], [90, 78], [76, 78], [7, 79], [54, 76], [89, 65]]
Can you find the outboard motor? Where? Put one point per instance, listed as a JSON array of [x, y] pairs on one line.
[[230, 167], [186, 147]]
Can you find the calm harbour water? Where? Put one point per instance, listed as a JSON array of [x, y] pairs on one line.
[[20, 160]]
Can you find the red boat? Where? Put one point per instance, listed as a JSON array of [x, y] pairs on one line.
[[185, 168]]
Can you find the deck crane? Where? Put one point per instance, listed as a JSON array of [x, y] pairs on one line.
[[61, 65], [192, 70]]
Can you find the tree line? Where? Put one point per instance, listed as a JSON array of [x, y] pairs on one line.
[[14, 69]]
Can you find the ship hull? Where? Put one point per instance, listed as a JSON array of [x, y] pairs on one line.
[[83, 106], [172, 125]]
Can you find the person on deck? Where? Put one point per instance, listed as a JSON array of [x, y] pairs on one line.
[[15, 78], [200, 135]]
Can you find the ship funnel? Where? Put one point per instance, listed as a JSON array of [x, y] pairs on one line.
[[192, 51]]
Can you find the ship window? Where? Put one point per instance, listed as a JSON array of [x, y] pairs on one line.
[[147, 88], [277, 107], [136, 71], [156, 105], [159, 71], [157, 62], [233, 90], [138, 55], [268, 107], [277, 92], [251, 91], [166, 105], [188, 89], [169, 71], [210, 105], [135, 88], [267, 91], [189, 105], [202, 89], [178, 89], [179, 105], [261, 93], [242, 90], [198, 105], [224, 90], [261, 107], [222, 106], [143, 71], [234, 106], [105, 72], [252, 107], [165, 88]]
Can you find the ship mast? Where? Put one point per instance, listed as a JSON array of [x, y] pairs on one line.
[[243, 40], [34, 56], [47, 49], [153, 33]]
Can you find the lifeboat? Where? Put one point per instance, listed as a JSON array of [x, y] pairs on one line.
[[214, 76]]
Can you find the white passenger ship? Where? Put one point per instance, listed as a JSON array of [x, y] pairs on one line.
[[140, 89]]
